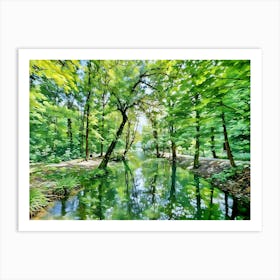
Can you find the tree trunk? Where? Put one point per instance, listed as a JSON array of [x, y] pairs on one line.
[[102, 134], [112, 146], [130, 137], [70, 134], [69, 127], [197, 136], [55, 137], [155, 134], [173, 144], [87, 127], [213, 150], [55, 129], [173, 179], [102, 125], [88, 109], [197, 142], [227, 146], [127, 139], [82, 135], [173, 148]]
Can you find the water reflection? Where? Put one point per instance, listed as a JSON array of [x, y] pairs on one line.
[[148, 189], [198, 197]]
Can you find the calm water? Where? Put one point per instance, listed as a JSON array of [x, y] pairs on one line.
[[147, 189]]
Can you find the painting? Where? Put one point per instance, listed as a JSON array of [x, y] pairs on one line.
[[139, 139]]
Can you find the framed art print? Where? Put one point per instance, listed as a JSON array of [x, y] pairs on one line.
[[139, 139]]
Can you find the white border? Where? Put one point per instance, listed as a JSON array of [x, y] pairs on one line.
[[25, 224]]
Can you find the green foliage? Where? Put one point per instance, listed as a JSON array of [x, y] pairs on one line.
[[228, 174], [96, 108], [99, 173], [181, 102], [37, 200], [65, 185]]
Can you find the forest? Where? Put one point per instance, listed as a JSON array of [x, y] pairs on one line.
[[140, 139]]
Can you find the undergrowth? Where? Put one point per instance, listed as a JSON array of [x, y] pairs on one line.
[[37, 200], [65, 185], [228, 174]]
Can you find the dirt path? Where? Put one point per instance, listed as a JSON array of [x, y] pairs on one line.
[[208, 166], [77, 163], [71, 163]]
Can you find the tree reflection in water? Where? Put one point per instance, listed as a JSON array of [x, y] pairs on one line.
[[148, 189], [198, 197]]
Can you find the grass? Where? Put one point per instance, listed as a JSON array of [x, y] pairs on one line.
[[49, 184], [37, 200], [65, 185]]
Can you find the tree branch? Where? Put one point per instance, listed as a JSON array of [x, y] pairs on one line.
[[149, 85]]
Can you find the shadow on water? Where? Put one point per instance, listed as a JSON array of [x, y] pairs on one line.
[[148, 189], [172, 196]]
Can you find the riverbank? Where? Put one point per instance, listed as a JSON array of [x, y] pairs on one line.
[[219, 172], [50, 182]]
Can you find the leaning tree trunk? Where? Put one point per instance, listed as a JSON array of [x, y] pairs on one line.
[[127, 139], [130, 140], [227, 146], [112, 146]]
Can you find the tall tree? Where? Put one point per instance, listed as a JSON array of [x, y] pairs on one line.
[[126, 88]]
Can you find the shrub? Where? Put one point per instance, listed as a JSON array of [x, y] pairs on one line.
[[65, 185], [227, 174]]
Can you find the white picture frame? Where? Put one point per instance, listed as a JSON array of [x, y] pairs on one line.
[[140, 24]]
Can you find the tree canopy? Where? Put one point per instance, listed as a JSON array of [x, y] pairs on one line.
[[105, 108]]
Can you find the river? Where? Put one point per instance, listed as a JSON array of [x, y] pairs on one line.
[[145, 188]]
